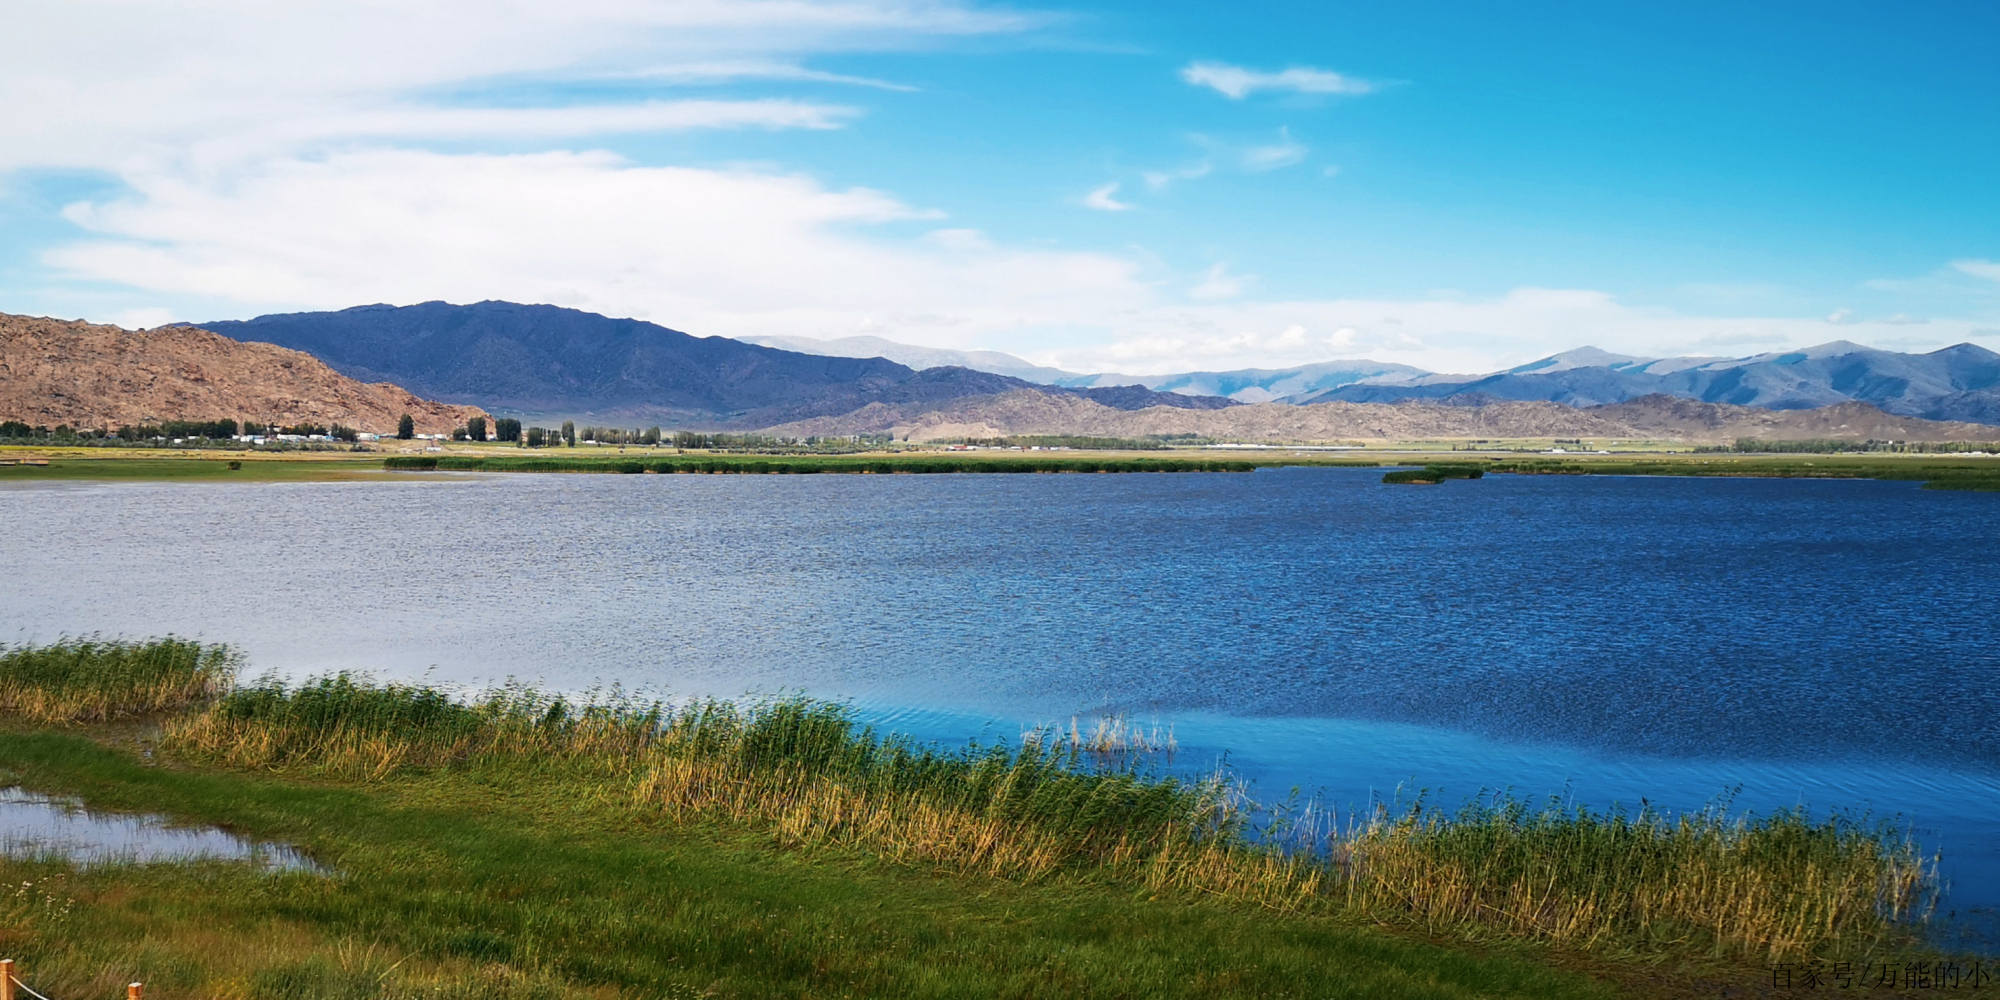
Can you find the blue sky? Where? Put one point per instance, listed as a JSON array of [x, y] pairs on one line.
[[1129, 187]]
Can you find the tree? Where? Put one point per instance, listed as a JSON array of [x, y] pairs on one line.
[[475, 428], [652, 436], [406, 428], [507, 429], [569, 433]]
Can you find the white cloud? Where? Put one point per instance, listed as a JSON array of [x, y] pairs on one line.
[[1160, 180], [567, 122], [1990, 270], [1840, 316], [1237, 83], [753, 69], [1217, 283], [1465, 335], [1102, 200], [741, 252], [1284, 153], [707, 251], [105, 83], [1329, 172], [959, 239]]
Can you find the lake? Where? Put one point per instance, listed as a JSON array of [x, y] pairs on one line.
[[1686, 641]]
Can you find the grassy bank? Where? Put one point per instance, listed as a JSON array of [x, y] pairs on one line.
[[514, 843], [217, 468]]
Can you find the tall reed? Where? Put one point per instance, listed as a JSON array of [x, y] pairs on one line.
[[812, 776], [89, 680], [1779, 884]]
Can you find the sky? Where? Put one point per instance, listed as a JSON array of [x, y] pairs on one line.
[[1141, 188]]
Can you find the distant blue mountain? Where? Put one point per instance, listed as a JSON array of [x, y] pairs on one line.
[[539, 359], [1247, 385], [1955, 383]]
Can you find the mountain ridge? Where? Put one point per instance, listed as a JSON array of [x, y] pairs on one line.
[[540, 359], [1961, 382]]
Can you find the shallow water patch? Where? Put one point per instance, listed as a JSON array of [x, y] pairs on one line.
[[39, 827]]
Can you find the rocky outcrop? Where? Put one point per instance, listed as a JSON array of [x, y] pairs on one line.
[[55, 372]]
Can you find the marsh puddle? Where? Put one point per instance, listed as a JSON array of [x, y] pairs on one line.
[[41, 826]]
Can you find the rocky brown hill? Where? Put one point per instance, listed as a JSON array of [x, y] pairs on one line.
[[1648, 418], [55, 372]]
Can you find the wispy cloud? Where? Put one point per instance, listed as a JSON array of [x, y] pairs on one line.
[[1284, 153], [1102, 200], [753, 69], [87, 85], [1217, 283], [1160, 180], [1237, 82], [1990, 270], [569, 121]]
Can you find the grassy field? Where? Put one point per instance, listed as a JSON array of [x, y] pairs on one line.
[[514, 844]]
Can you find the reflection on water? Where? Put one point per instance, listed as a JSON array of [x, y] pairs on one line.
[[38, 826], [1811, 641]]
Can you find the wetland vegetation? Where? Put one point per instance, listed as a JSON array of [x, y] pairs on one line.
[[513, 842], [922, 462]]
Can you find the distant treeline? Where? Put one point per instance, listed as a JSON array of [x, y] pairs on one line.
[[1831, 446], [569, 435], [803, 466]]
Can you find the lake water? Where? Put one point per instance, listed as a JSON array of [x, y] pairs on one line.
[[40, 826], [1826, 643]]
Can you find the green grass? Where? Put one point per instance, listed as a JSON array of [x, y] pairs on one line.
[[519, 879]]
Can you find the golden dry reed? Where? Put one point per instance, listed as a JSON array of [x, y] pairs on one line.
[[93, 680]]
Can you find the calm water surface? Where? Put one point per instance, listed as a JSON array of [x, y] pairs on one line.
[[39, 826], [1818, 642]]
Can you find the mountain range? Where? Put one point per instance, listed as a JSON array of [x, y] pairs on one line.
[[541, 360], [1959, 383], [1247, 385], [547, 361], [1657, 417], [1955, 383]]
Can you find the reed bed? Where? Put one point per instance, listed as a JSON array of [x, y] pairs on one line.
[[1057, 806], [1782, 884], [348, 727], [803, 465], [94, 680]]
